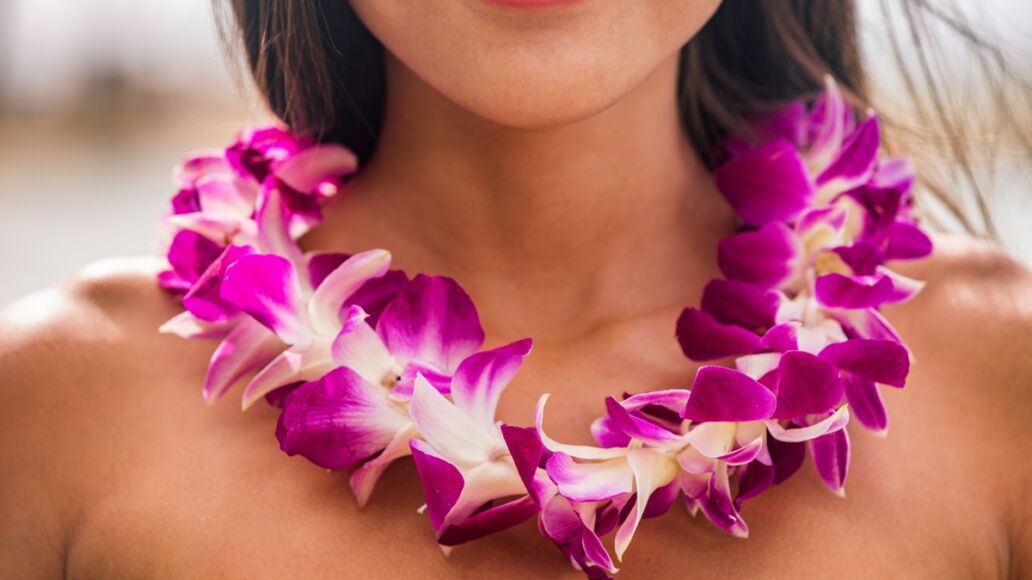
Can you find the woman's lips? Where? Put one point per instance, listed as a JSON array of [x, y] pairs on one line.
[[530, 3]]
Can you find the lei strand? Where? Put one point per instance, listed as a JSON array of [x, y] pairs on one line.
[[368, 365]]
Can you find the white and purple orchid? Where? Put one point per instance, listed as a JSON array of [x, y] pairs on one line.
[[369, 367]]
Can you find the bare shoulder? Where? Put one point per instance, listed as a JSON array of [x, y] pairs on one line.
[[971, 333], [68, 356], [976, 307]]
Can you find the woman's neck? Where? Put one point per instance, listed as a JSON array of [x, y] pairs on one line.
[[554, 231]]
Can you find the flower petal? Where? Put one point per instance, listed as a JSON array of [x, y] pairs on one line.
[[326, 302], [305, 170], [831, 457], [769, 257], [652, 470], [274, 226], [806, 385], [702, 338], [248, 346], [480, 379], [488, 521], [590, 481], [830, 424], [190, 254], [339, 420], [855, 162], [881, 361], [766, 184], [718, 506], [359, 348], [865, 402], [721, 394], [432, 320], [906, 241], [451, 432], [442, 482], [638, 428], [186, 325], [204, 299], [267, 288], [289, 367], [364, 479], [740, 303]]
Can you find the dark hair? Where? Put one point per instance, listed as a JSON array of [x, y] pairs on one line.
[[321, 71]]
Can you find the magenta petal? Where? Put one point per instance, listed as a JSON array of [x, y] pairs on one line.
[[190, 254], [339, 420], [635, 427], [489, 521], [862, 257], [702, 338], [526, 450], [660, 501], [767, 184], [607, 433], [740, 303], [722, 394], [480, 379], [786, 458], [782, 337], [305, 170], [855, 163], [865, 403], [204, 300], [561, 523], [831, 458], [719, 508], [266, 287], [767, 257], [841, 291], [247, 347], [432, 320], [881, 361], [894, 173], [806, 385], [591, 481], [755, 479], [372, 297], [273, 221], [906, 241], [442, 482]]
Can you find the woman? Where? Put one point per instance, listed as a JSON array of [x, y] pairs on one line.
[[535, 152]]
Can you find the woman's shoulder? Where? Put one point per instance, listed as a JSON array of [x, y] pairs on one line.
[[976, 298], [69, 358], [970, 330]]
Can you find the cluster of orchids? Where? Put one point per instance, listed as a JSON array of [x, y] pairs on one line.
[[368, 365]]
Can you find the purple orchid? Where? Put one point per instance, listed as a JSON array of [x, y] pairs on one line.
[[470, 479], [806, 159], [661, 444], [221, 195], [428, 329]]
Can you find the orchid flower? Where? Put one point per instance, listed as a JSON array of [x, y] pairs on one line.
[[659, 443], [429, 329], [463, 457], [809, 159], [574, 527], [219, 205]]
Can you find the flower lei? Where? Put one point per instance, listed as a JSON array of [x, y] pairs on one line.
[[369, 366]]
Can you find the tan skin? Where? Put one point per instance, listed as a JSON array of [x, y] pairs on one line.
[[587, 224]]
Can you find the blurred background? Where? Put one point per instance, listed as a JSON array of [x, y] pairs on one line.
[[99, 99]]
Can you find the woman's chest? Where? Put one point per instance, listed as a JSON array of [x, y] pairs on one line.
[[205, 492]]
